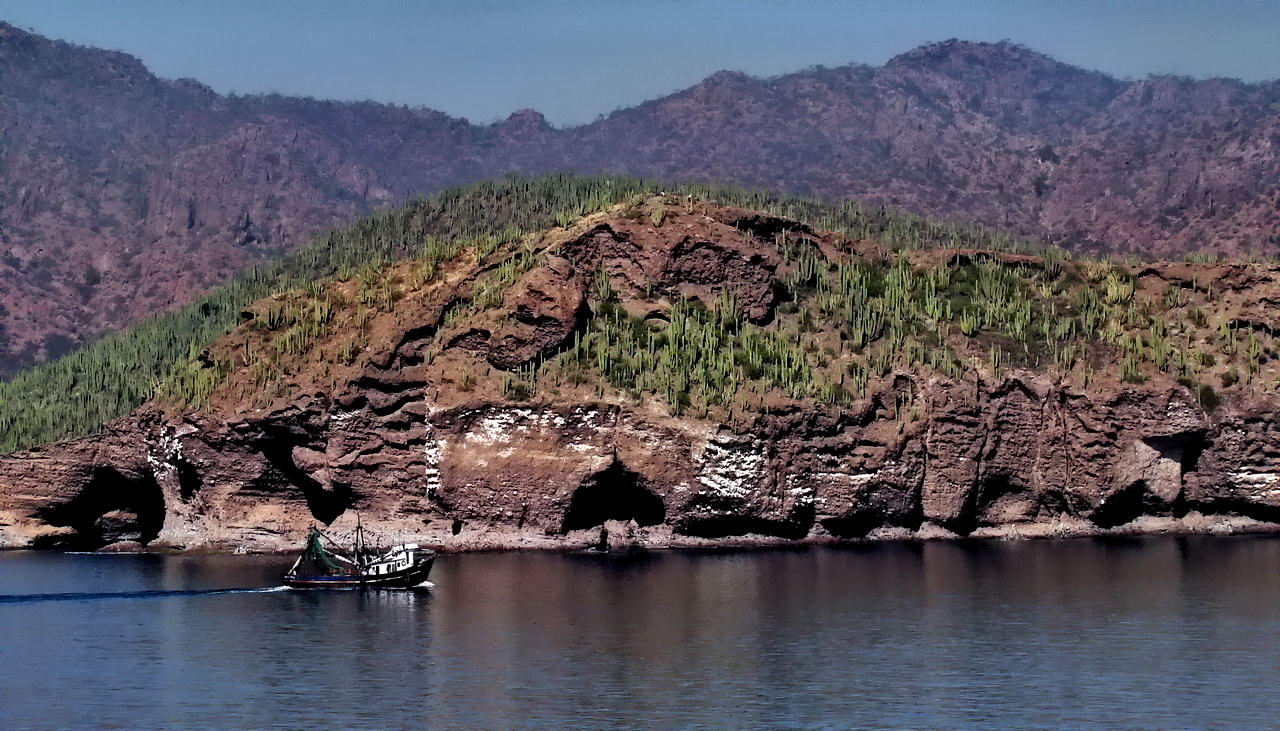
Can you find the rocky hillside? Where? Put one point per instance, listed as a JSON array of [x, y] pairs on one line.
[[684, 372], [123, 194]]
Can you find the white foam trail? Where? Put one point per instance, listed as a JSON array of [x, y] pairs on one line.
[[425, 585]]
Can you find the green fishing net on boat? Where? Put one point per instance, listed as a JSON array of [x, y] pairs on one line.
[[319, 558]]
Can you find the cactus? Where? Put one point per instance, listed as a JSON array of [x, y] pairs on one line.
[[658, 216]]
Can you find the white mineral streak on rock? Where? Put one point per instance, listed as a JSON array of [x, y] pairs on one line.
[[587, 417], [852, 478], [731, 471], [802, 495], [1176, 409], [1257, 483], [1255, 478], [165, 454], [432, 452], [503, 426], [339, 418], [495, 427]]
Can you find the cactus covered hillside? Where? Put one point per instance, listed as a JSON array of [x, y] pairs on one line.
[[749, 364]]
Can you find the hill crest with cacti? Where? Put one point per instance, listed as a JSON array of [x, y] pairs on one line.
[[124, 194], [719, 313], [817, 314]]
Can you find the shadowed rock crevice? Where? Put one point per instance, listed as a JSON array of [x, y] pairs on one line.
[[767, 228], [856, 524], [1242, 507], [544, 307], [1193, 445], [189, 480], [725, 526], [998, 498], [112, 506], [546, 337], [881, 506], [702, 268], [475, 339], [409, 351], [1182, 450], [615, 493]]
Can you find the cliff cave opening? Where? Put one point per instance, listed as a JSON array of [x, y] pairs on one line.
[[112, 506], [325, 505], [1124, 505], [614, 493], [858, 523], [1193, 446]]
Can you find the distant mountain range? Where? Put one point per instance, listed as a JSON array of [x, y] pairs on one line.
[[122, 194]]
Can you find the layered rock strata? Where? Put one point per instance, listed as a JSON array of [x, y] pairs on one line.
[[1018, 457], [405, 437]]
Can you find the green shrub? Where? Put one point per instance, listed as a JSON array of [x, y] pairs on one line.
[[1208, 398], [1231, 377]]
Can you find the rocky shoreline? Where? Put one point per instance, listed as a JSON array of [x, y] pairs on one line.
[[1020, 459], [624, 537]]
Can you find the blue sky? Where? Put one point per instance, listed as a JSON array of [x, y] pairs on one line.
[[573, 59]]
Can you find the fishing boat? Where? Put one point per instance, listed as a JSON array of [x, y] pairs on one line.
[[325, 565]]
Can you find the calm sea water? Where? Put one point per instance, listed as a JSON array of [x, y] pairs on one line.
[[1168, 632]]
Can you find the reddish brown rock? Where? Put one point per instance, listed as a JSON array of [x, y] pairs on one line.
[[1023, 458], [544, 307]]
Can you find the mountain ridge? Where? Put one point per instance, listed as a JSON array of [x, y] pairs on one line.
[[125, 194]]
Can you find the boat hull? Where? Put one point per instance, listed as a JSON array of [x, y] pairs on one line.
[[406, 579]]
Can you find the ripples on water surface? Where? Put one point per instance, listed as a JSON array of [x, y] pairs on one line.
[[1146, 632]]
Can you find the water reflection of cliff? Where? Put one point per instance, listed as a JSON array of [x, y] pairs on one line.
[[1134, 632]]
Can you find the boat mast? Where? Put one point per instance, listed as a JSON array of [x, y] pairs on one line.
[[359, 542]]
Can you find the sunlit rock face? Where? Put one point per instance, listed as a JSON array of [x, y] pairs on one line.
[[1019, 456]]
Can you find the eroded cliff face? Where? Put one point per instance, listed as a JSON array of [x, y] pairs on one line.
[[420, 434], [1021, 457]]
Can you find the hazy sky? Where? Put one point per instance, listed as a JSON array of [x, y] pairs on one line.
[[574, 60]]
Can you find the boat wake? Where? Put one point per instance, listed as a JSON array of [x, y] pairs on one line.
[[103, 596]]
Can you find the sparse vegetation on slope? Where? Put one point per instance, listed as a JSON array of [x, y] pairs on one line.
[[963, 314], [77, 394], [864, 294]]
